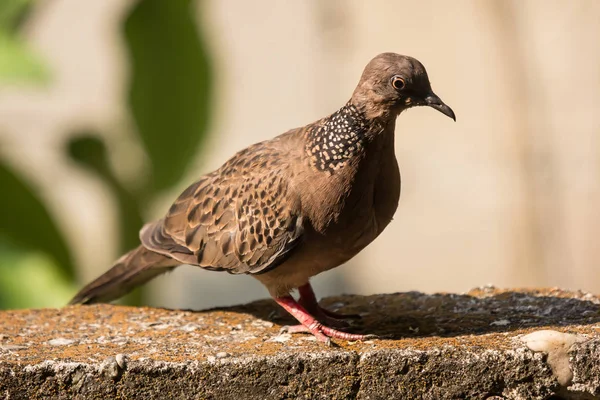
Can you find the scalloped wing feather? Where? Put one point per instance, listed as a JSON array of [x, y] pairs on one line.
[[241, 218]]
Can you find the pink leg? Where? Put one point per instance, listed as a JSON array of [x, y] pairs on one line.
[[309, 301], [310, 324]]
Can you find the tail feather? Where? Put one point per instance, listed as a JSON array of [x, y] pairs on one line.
[[133, 269]]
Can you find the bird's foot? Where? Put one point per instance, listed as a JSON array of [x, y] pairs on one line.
[[310, 324], [324, 333], [322, 315], [308, 300]]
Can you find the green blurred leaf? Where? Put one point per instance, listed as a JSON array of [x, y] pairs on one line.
[[12, 12], [170, 87], [25, 222], [18, 64], [89, 150], [31, 280]]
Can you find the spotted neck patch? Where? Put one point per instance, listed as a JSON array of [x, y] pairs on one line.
[[339, 138]]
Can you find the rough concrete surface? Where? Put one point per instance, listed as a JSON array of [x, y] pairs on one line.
[[485, 344]]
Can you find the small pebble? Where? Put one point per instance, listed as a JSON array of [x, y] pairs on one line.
[[121, 360], [189, 328], [111, 368], [60, 342], [12, 347], [262, 324], [281, 338], [222, 354], [336, 306]]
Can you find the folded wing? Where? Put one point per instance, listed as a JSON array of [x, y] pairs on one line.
[[242, 218]]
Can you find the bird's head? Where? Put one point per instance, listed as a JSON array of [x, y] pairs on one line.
[[391, 83]]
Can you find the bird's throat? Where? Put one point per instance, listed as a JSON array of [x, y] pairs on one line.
[[339, 138]]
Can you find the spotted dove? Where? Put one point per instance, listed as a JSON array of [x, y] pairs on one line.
[[289, 208]]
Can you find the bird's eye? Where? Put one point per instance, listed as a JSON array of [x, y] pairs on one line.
[[398, 83]]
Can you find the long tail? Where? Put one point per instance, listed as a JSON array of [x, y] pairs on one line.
[[133, 269]]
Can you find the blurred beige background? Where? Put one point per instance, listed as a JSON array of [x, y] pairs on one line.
[[507, 195]]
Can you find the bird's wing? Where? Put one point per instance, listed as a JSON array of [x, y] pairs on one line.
[[242, 218]]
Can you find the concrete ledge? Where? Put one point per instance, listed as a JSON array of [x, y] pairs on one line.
[[486, 344]]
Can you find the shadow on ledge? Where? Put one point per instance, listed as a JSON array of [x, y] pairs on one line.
[[480, 311]]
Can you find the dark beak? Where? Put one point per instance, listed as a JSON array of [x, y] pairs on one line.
[[435, 102]]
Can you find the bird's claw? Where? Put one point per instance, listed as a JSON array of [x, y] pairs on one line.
[[324, 333], [284, 329]]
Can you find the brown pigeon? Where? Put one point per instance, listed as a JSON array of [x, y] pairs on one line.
[[289, 208]]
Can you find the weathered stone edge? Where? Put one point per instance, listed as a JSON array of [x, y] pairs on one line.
[[450, 372]]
